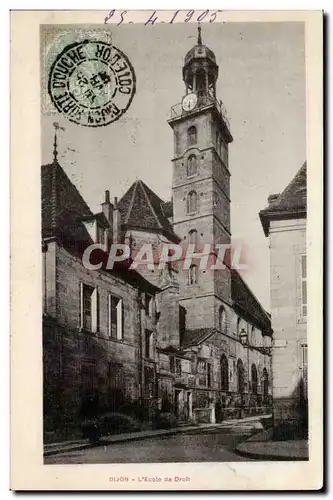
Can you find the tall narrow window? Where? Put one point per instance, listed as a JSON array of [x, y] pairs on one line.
[[238, 326], [222, 320], [192, 202], [209, 375], [149, 305], [182, 322], [201, 81], [115, 314], [254, 379], [192, 165], [265, 382], [304, 285], [205, 373], [224, 373], [240, 377], [89, 308], [193, 237], [148, 344], [193, 275], [191, 136]]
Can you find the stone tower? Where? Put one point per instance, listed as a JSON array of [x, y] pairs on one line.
[[201, 185]]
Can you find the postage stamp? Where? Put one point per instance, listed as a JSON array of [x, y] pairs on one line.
[[92, 83], [169, 280]]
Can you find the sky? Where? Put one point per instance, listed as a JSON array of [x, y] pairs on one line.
[[262, 85]]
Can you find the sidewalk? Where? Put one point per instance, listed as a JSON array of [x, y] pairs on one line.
[[262, 447], [249, 423]]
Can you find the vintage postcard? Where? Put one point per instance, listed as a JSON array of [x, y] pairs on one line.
[[166, 250]]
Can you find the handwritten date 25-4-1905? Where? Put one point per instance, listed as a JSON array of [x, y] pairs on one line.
[[185, 16]]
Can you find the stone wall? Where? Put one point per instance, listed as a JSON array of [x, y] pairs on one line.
[[288, 244], [80, 365]]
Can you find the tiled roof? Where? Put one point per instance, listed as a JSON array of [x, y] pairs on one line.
[[141, 208], [196, 336], [291, 203], [247, 304], [62, 207], [244, 303], [63, 213]]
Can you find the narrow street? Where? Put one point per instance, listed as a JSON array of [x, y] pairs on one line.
[[213, 445]]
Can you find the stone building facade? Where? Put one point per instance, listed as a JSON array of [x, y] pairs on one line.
[[213, 337], [193, 342], [93, 322], [284, 222]]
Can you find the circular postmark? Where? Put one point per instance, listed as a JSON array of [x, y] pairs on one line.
[[92, 83]]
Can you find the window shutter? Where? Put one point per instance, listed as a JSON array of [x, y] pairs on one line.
[[109, 314], [94, 311], [81, 305], [120, 320]]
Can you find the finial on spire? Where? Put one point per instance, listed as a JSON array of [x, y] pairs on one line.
[[56, 127], [199, 35]]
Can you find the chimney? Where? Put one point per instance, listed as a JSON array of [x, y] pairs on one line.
[[107, 208], [272, 198], [116, 222]]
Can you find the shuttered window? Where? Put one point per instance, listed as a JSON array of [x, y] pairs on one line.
[[304, 285], [115, 317], [89, 308]]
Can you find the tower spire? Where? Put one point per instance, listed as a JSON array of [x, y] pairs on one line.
[[55, 151], [199, 35], [56, 127]]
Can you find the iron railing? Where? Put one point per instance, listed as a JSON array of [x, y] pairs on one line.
[[204, 99]]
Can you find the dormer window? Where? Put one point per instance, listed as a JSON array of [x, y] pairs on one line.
[[96, 225], [100, 234]]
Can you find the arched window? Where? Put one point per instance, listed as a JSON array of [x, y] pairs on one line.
[[224, 373], [193, 237], [192, 165], [240, 377], [265, 382], [192, 202], [191, 136], [222, 320], [254, 379], [192, 275], [200, 80]]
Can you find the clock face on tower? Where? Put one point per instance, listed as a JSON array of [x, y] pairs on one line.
[[189, 102]]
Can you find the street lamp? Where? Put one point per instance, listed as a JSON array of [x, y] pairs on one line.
[[244, 341], [244, 338]]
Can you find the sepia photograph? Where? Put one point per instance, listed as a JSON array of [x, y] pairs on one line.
[[173, 222]]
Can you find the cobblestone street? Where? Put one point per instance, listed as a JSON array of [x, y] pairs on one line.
[[207, 446]]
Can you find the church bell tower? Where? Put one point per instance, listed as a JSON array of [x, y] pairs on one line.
[[201, 185]]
